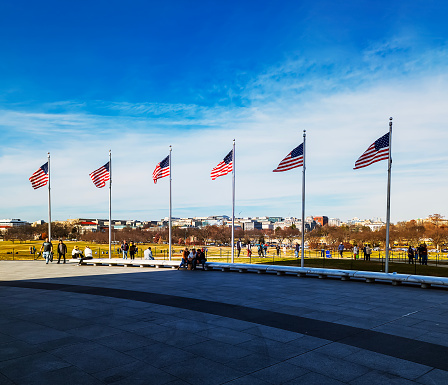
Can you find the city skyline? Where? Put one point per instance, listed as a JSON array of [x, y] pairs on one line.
[[138, 77]]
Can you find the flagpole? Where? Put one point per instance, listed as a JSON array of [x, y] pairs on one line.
[[110, 204], [233, 202], [49, 201], [169, 235], [302, 253], [389, 168]]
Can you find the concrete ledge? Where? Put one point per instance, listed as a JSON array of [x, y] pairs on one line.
[[344, 275]]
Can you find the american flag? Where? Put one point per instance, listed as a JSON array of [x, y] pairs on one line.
[[40, 177], [162, 169], [101, 176], [223, 167], [292, 160], [379, 150]]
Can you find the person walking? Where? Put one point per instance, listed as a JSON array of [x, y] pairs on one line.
[[238, 247], [341, 249], [47, 248], [124, 249], [62, 250]]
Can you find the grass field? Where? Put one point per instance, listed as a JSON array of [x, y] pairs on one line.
[[438, 263]]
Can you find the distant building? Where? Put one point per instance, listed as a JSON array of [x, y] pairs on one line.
[[38, 223], [334, 222], [252, 225], [321, 220], [5, 224]]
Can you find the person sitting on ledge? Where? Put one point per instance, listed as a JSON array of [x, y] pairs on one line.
[[191, 260], [87, 255], [76, 253], [184, 259], [147, 254], [200, 258]]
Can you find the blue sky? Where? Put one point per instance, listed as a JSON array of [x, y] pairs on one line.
[[80, 78]]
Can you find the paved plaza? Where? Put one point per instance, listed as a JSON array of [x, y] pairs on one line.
[[68, 324]]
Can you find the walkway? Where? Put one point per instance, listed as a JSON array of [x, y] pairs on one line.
[[109, 325]]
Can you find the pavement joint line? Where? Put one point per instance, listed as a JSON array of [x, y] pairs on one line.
[[425, 353]]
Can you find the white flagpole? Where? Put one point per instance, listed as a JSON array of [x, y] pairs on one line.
[[110, 204], [49, 201], [389, 169], [233, 202], [169, 235], [302, 251]]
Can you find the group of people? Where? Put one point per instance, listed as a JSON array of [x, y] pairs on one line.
[[419, 253], [262, 249], [126, 248], [366, 250], [191, 258], [47, 252]]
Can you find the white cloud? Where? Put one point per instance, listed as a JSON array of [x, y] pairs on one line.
[[340, 125]]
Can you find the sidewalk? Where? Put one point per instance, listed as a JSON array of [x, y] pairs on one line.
[[64, 324]]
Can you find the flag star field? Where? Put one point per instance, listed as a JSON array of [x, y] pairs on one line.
[[78, 79]]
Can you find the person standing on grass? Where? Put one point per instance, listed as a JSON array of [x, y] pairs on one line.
[[355, 252], [277, 248], [410, 254], [47, 248], [367, 252], [423, 254], [297, 250], [62, 250], [249, 250]]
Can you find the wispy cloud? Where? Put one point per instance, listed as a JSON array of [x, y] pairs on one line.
[[343, 109]]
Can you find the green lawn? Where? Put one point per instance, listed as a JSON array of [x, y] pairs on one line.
[[20, 251]]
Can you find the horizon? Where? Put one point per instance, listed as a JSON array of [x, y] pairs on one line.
[[139, 77]]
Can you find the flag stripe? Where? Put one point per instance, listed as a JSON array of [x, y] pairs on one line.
[[223, 167], [377, 151], [292, 160], [100, 176], [162, 169], [39, 177]]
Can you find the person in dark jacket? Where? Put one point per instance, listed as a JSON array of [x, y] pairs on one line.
[[200, 258], [410, 254], [62, 250], [132, 250]]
